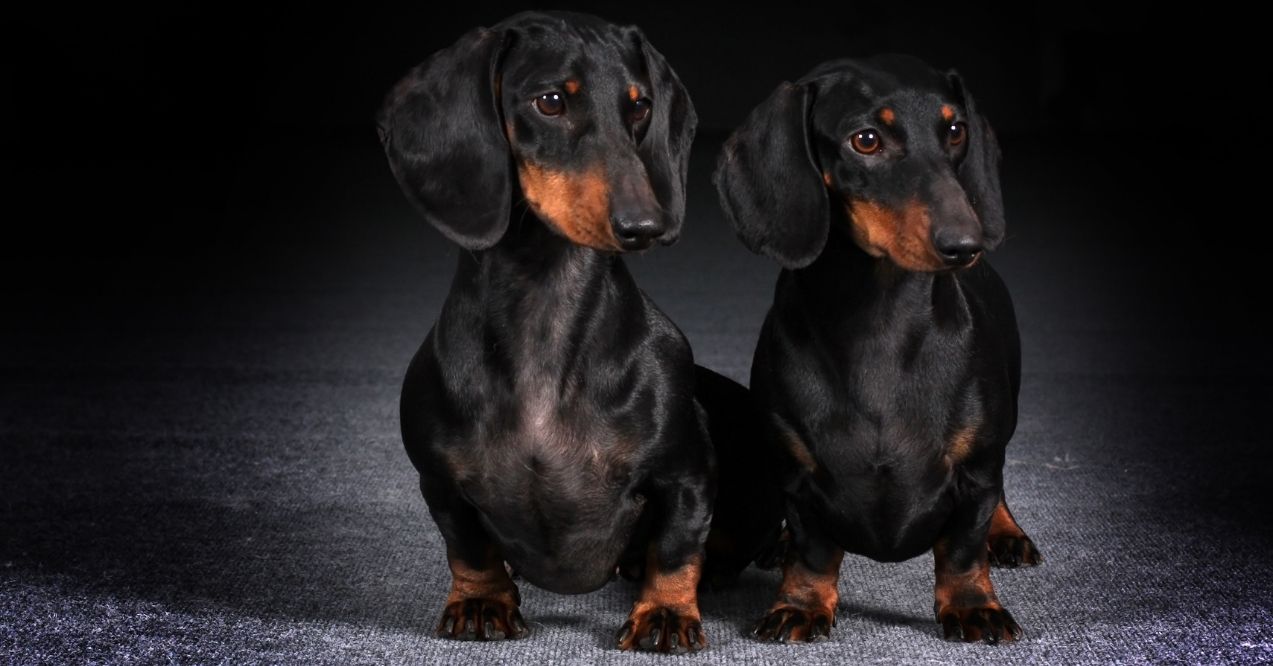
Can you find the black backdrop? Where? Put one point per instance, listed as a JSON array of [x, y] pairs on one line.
[[116, 118], [128, 133]]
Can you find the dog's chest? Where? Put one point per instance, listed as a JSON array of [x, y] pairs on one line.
[[544, 434], [554, 472], [542, 416]]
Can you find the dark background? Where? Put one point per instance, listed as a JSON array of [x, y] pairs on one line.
[[212, 287], [117, 121]]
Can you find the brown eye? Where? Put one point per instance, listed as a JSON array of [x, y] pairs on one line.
[[640, 110], [551, 104], [956, 133], [866, 141]]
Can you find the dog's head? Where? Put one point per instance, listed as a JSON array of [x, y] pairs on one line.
[[898, 146], [583, 120]]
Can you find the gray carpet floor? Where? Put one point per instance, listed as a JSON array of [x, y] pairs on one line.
[[212, 472]]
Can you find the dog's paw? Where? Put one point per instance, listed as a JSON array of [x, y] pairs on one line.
[[1013, 550], [661, 629], [480, 619], [970, 625], [787, 624]]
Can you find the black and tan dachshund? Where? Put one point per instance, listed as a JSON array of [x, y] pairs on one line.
[[551, 410], [889, 364]]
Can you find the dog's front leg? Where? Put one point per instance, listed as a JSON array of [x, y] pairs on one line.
[[965, 601], [804, 610], [665, 618], [483, 603]]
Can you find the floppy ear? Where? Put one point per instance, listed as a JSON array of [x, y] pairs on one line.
[[979, 172], [441, 130], [769, 184], [665, 149]]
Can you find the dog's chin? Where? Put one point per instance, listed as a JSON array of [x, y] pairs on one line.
[[635, 245], [931, 265], [641, 246], [976, 259]]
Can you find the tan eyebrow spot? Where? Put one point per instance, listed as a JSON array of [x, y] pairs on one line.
[[887, 116], [947, 112], [634, 93], [572, 86]]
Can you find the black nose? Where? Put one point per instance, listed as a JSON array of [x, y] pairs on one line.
[[957, 247], [637, 231]]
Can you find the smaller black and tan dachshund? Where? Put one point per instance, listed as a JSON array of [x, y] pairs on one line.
[[889, 364], [551, 412]]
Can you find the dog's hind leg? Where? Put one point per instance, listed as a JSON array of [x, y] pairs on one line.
[[1008, 544]]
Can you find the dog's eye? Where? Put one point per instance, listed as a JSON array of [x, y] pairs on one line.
[[551, 104], [956, 133], [866, 141], [640, 110]]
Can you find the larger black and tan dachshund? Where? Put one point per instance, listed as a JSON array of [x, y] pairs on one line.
[[551, 410], [889, 364]]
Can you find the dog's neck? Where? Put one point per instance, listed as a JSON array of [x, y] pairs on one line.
[[539, 299], [847, 281], [533, 263]]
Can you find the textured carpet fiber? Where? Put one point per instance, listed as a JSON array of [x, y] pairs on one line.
[[213, 473]]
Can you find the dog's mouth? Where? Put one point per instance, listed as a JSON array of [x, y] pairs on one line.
[[963, 262], [639, 244]]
